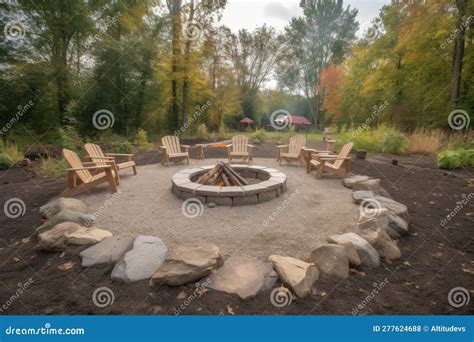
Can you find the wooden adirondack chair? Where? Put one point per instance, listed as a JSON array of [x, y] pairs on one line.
[[97, 156], [293, 150], [333, 163], [83, 176], [240, 148], [172, 149]]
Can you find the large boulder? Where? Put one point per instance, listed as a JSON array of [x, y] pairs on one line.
[[349, 182], [331, 261], [243, 276], [66, 215], [107, 252], [360, 195], [55, 239], [369, 257], [56, 205], [298, 275], [397, 224], [69, 233], [394, 207], [146, 256], [367, 185], [187, 264], [379, 239], [87, 236]]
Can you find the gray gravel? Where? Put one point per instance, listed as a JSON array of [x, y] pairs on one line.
[[310, 211]]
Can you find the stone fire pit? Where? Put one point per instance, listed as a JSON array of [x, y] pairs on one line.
[[266, 184]]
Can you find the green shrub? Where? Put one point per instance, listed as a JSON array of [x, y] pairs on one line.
[[141, 139], [259, 136], [70, 138], [202, 132], [124, 147], [10, 154], [6, 161], [455, 159], [53, 167], [392, 141]]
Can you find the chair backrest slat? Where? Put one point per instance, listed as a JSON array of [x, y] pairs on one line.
[[171, 143], [296, 143], [240, 143], [95, 151], [75, 162], [345, 150]]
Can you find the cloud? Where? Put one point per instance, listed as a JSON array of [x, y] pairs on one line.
[[279, 11]]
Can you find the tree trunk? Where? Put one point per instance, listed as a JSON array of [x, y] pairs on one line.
[[62, 81], [176, 52], [458, 53], [186, 80]]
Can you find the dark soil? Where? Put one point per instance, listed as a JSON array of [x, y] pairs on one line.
[[434, 260]]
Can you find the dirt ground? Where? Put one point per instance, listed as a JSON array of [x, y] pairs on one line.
[[435, 259]]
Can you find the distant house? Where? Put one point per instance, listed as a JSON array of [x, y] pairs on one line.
[[298, 121]]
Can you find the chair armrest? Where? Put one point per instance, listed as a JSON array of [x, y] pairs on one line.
[[120, 154], [186, 146], [101, 158], [282, 146], [230, 145], [329, 158], [90, 168], [251, 146]]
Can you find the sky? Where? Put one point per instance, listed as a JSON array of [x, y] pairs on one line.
[[250, 14]]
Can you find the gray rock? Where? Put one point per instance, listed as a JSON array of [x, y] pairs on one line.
[[298, 275], [66, 215], [243, 276], [397, 224], [360, 195], [55, 239], [349, 182], [187, 264], [331, 261], [367, 185], [68, 233], [394, 207], [379, 239], [107, 252], [146, 256], [56, 205], [392, 233], [383, 192], [369, 257]]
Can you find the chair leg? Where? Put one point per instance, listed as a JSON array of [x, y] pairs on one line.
[[111, 180], [134, 170]]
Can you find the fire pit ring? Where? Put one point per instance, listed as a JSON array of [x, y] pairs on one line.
[[272, 183]]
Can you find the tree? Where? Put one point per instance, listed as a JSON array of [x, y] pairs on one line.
[[323, 35]]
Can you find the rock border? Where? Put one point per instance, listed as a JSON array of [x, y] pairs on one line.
[[273, 185]]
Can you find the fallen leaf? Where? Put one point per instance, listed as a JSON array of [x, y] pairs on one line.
[[181, 295], [323, 294], [15, 259], [66, 266], [353, 270], [230, 310], [468, 270], [26, 240], [63, 253], [406, 263]]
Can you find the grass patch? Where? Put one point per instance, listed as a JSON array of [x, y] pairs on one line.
[[455, 159], [10, 154], [52, 167]]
